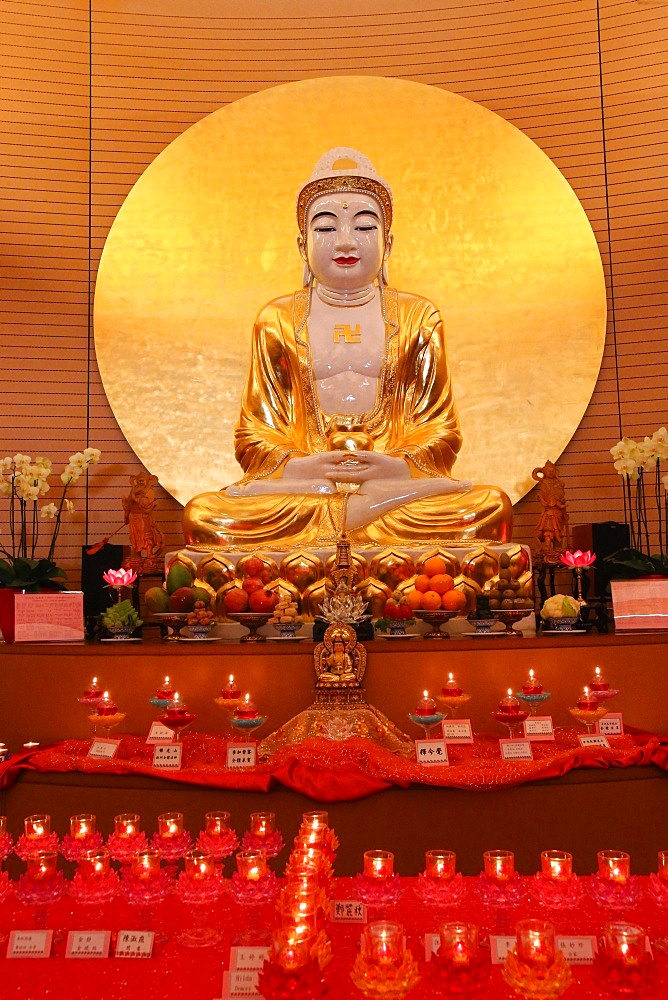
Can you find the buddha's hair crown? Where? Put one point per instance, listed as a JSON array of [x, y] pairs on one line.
[[344, 169]]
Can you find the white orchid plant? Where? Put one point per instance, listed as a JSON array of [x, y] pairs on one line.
[[639, 465], [24, 482]]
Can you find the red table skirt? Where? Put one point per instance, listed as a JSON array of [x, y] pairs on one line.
[[196, 974], [327, 771]]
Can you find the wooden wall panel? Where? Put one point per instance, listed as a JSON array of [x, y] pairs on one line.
[[589, 89]]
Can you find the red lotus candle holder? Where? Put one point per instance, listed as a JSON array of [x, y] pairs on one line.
[[127, 838], [217, 837], [622, 965], [499, 884], [322, 837], [378, 883], [199, 886], [459, 966], [42, 883], [37, 836], [384, 967], [291, 972], [535, 968], [263, 834], [94, 882], [6, 886], [440, 883], [310, 857], [83, 837], [171, 840], [658, 881], [613, 885], [253, 882], [555, 884], [146, 882]]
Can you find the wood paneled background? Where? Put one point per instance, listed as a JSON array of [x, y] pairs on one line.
[[92, 92]]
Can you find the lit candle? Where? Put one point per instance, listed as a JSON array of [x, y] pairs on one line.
[[231, 691], [304, 877], [440, 864], [30, 745], [41, 865], [587, 702], [535, 942], [311, 857], [624, 947], [216, 823], [176, 713], [262, 824], [94, 864], [315, 820], [126, 825], [82, 825], [599, 683], [459, 943], [289, 951], [36, 826], [252, 865], [246, 710], [301, 913], [556, 865], [384, 943], [170, 825], [663, 865], [499, 865], [452, 688], [106, 705], [614, 866], [378, 864], [199, 865], [532, 685], [427, 706], [166, 692], [509, 706], [93, 690], [146, 865]]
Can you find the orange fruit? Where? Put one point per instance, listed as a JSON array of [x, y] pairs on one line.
[[431, 601], [441, 583], [414, 598], [435, 566], [422, 583], [453, 600]]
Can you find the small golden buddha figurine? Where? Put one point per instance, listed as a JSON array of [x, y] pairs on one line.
[[339, 660], [347, 419]]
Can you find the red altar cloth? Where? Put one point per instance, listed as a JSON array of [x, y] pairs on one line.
[[333, 772], [196, 974]]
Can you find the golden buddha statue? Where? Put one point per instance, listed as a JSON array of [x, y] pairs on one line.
[[347, 417]]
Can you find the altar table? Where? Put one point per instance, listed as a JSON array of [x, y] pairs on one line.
[[196, 974]]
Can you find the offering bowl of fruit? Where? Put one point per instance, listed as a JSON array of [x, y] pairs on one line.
[[200, 621], [434, 598], [286, 618]]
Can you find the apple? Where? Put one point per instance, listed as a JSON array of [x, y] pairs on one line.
[[182, 599], [236, 600], [263, 600]]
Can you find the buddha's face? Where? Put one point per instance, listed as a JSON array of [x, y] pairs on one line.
[[344, 240]]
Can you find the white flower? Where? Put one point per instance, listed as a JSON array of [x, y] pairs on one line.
[[49, 510], [626, 448], [92, 456], [20, 461], [6, 462], [44, 463], [26, 488], [70, 474], [69, 506], [5, 488], [626, 467], [660, 442], [77, 461]]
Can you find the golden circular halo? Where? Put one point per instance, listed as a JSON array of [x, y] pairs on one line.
[[485, 226]]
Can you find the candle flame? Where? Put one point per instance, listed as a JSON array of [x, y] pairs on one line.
[[586, 690], [510, 692], [105, 696], [425, 694], [531, 673], [176, 696], [451, 676], [94, 681], [166, 682], [231, 678], [247, 699]]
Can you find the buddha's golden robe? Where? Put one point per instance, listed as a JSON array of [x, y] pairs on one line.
[[414, 418]]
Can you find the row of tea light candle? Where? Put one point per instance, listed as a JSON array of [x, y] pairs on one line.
[[243, 707]]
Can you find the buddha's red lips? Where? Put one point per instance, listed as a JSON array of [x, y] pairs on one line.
[[345, 261]]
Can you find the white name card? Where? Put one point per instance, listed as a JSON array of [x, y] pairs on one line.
[[539, 727], [611, 725], [577, 950], [134, 944], [167, 756], [29, 944], [54, 617], [432, 943], [248, 958], [458, 731], [500, 945], [241, 755], [431, 752], [160, 734], [516, 750], [240, 983], [88, 944], [103, 747], [348, 911], [593, 740]]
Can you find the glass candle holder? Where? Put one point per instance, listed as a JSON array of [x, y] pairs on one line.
[[599, 682], [662, 869], [556, 865], [146, 865], [383, 943], [262, 824], [307, 857], [231, 691], [94, 864], [311, 838], [166, 690], [126, 825], [199, 865], [170, 825], [535, 942], [301, 915], [251, 865], [532, 685], [378, 864], [315, 820], [459, 942], [499, 865], [216, 823], [82, 825], [37, 826], [41, 865], [624, 943], [94, 690], [289, 950], [614, 866], [440, 864]]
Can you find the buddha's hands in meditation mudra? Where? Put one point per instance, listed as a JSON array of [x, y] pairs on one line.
[[347, 344]]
